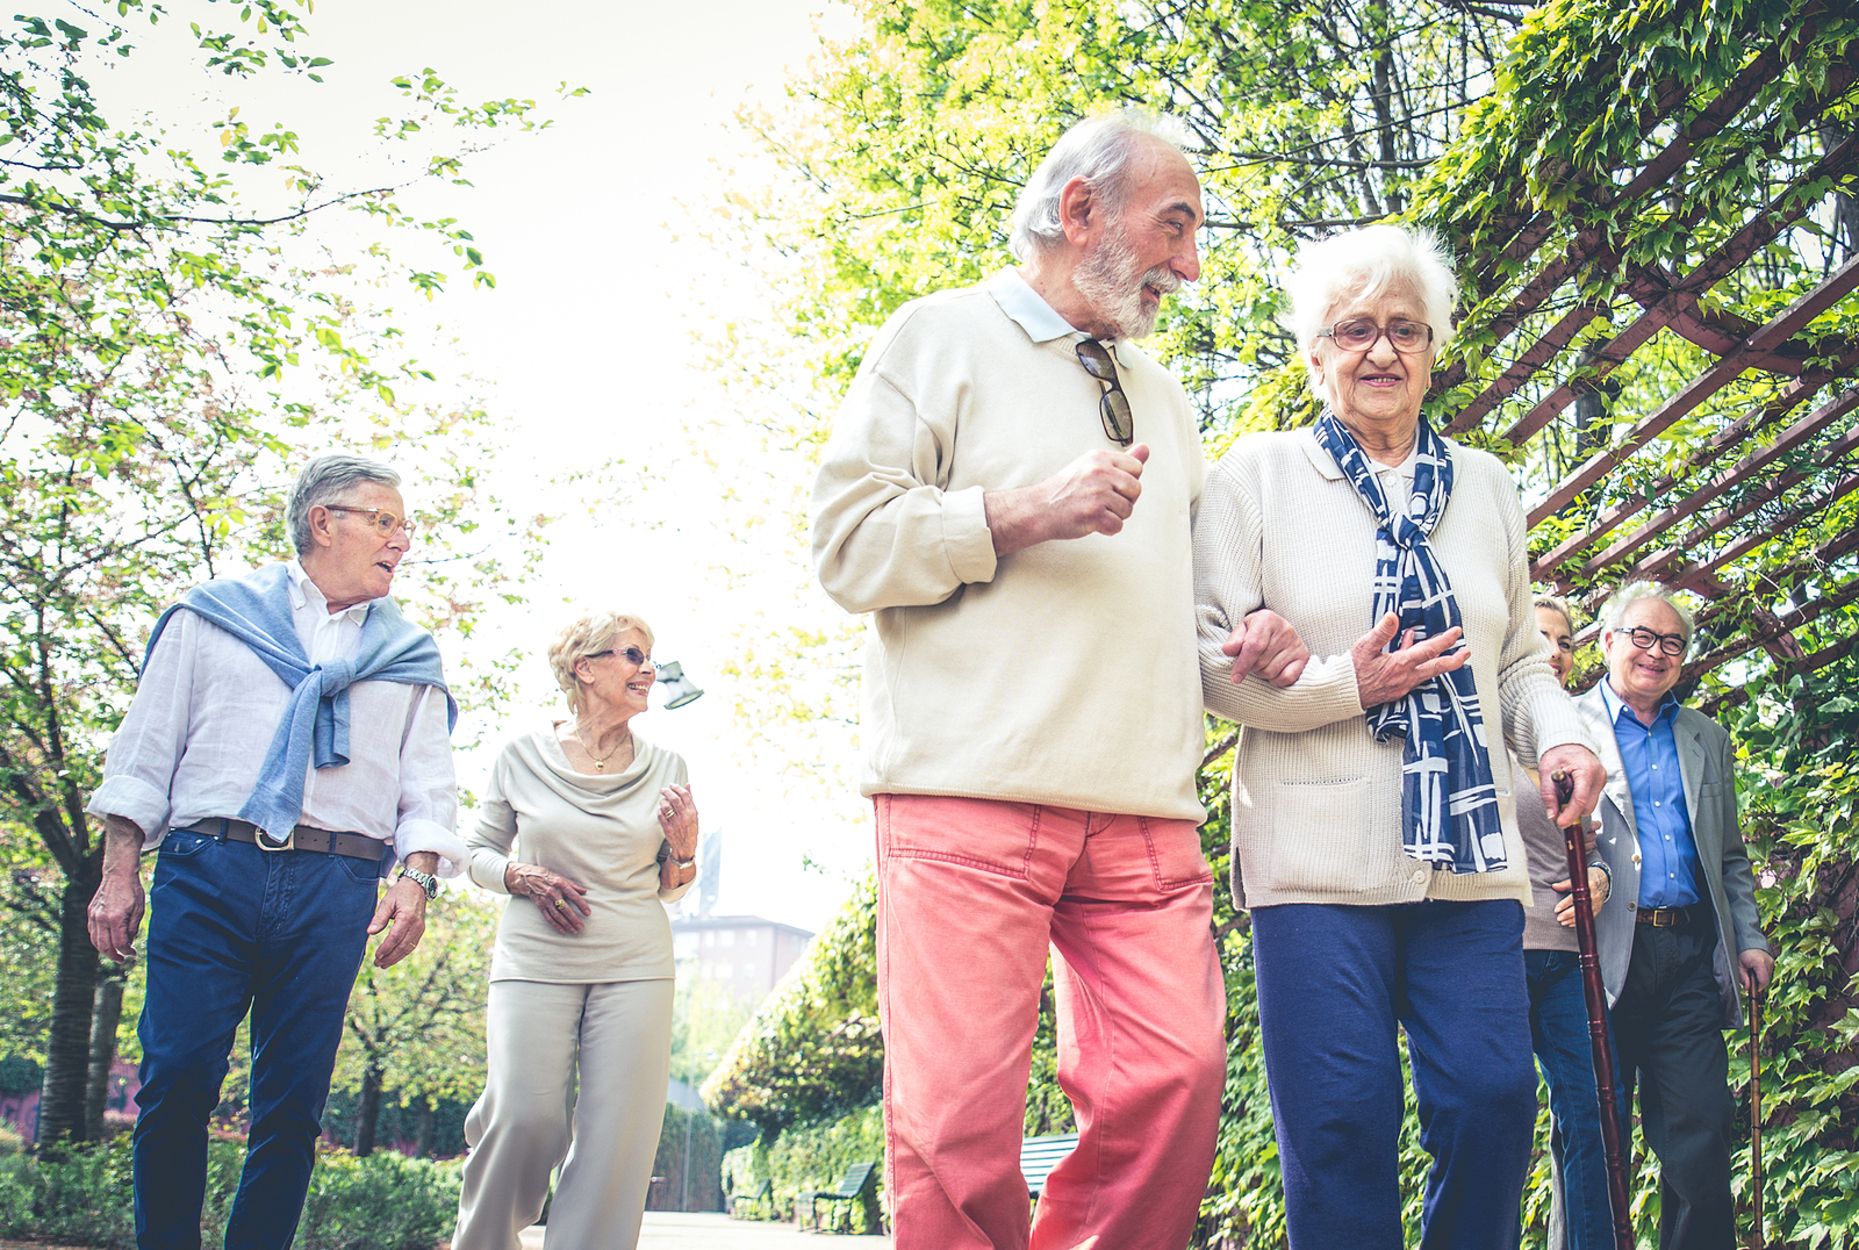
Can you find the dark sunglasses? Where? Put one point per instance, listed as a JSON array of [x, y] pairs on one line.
[[634, 656], [1114, 405]]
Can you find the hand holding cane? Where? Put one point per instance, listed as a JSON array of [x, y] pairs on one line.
[[1596, 996]]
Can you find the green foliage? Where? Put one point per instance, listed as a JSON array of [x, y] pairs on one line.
[[690, 1158], [384, 1202], [812, 1052], [705, 1019], [812, 1157], [11, 1143]]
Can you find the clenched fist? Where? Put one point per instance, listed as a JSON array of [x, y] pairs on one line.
[[1094, 494]]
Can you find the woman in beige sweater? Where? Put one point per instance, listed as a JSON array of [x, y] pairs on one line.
[[1374, 826], [590, 830]]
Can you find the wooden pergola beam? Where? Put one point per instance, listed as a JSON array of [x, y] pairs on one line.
[[1796, 435], [1837, 286], [1545, 566]]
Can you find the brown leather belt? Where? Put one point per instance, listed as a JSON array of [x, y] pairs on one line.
[[302, 838], [1666, 917]]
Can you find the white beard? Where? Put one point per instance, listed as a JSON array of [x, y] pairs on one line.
[[1110, 280]]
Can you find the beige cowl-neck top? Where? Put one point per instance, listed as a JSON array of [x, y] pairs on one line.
[[600, 829]]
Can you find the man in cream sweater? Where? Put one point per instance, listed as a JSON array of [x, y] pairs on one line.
[[1009, 491]]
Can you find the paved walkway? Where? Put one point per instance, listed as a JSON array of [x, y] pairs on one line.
[[671, 1230]]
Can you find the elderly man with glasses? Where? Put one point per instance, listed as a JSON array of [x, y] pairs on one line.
[[287, 744], [1009, 491], [1679, 935]]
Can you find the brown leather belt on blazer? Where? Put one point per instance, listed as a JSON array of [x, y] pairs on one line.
[[302, 838]]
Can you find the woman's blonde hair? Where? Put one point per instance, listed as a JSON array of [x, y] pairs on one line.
[[588, 635], [1556, 604]]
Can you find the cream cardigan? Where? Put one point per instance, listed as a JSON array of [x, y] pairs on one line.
[[1316, 801]]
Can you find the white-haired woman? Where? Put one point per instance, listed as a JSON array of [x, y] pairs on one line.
[[590, 829], [1374, 826]]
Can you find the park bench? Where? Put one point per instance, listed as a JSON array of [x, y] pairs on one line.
[[1039, 1155], [752, 1201], [851, 1188]]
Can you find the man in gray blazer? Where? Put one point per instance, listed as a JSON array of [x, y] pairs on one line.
[[1679, 935]]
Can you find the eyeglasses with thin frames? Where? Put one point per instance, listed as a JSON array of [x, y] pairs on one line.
[[1645, 639], [1113, 406], [1358, 334], [633, 655], [383, 521]]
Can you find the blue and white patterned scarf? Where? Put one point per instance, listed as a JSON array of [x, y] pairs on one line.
[[1449, 805]]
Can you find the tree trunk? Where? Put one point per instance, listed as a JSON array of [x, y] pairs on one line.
[[368, 1111], [107, 1013], [67, 1050], [427, 1119]]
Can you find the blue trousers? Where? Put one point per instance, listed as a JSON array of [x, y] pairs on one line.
[[234, 929], [1559, 1033], [1334, 982]]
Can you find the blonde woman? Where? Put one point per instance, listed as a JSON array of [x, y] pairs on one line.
[[589, 829]]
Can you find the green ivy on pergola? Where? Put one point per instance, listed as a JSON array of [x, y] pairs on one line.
[[1663, 334]]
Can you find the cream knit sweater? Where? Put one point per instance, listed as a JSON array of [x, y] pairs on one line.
[[1063, 673], [1316, 801]]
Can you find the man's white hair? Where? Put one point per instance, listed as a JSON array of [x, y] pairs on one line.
[[1098, 150], [1361, 264], [1615, 610], [327, 480]]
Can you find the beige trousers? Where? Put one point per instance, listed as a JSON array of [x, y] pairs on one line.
[[617, 1037]]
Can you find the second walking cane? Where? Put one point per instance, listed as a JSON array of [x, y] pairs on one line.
[[1596, 994]]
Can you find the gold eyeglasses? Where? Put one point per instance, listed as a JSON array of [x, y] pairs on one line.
[[383, 521]]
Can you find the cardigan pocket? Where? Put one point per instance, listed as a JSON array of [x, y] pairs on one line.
[[1320, 837]]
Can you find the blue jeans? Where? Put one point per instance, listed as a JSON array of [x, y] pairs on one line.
[[1334, 982], [234, 929], [1559, 1034]]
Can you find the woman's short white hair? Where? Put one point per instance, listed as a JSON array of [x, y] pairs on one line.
[[1615, 610], [588, 635], [1097, 149], [1361, 264]]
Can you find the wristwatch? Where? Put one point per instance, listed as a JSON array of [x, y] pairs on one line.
[[425, 880], [684, 863]]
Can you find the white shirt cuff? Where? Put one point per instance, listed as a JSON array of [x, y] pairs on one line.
[[416, 835], [135, 800]]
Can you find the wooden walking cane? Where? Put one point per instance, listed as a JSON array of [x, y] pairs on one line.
[[1596, 995], [1759, 1238]]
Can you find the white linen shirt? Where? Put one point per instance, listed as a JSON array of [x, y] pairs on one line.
[[195, 738]]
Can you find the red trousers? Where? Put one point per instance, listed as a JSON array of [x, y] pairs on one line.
[[970, 894]]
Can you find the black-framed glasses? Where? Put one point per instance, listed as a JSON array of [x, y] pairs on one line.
[[1358, 334], [1645, 639], [383, 521], [633, 656], [1113, 406]]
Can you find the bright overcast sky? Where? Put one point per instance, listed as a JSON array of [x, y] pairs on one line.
[[587, 346]]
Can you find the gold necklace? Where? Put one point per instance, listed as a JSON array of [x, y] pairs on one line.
[[600, 761]]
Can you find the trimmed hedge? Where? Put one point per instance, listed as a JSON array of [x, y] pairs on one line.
[[813, 1157], [384, 1202]]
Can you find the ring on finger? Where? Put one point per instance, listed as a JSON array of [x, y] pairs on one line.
[[562, 903]]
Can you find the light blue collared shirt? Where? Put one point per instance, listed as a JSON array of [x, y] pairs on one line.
[[1029, 308], [1649, 753]]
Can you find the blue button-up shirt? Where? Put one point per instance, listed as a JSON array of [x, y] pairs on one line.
[[1649, 753]]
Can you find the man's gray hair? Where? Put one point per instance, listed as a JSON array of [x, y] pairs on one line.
[[1615, 610], [1098, 150], [1362, 264], [326, 480]]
